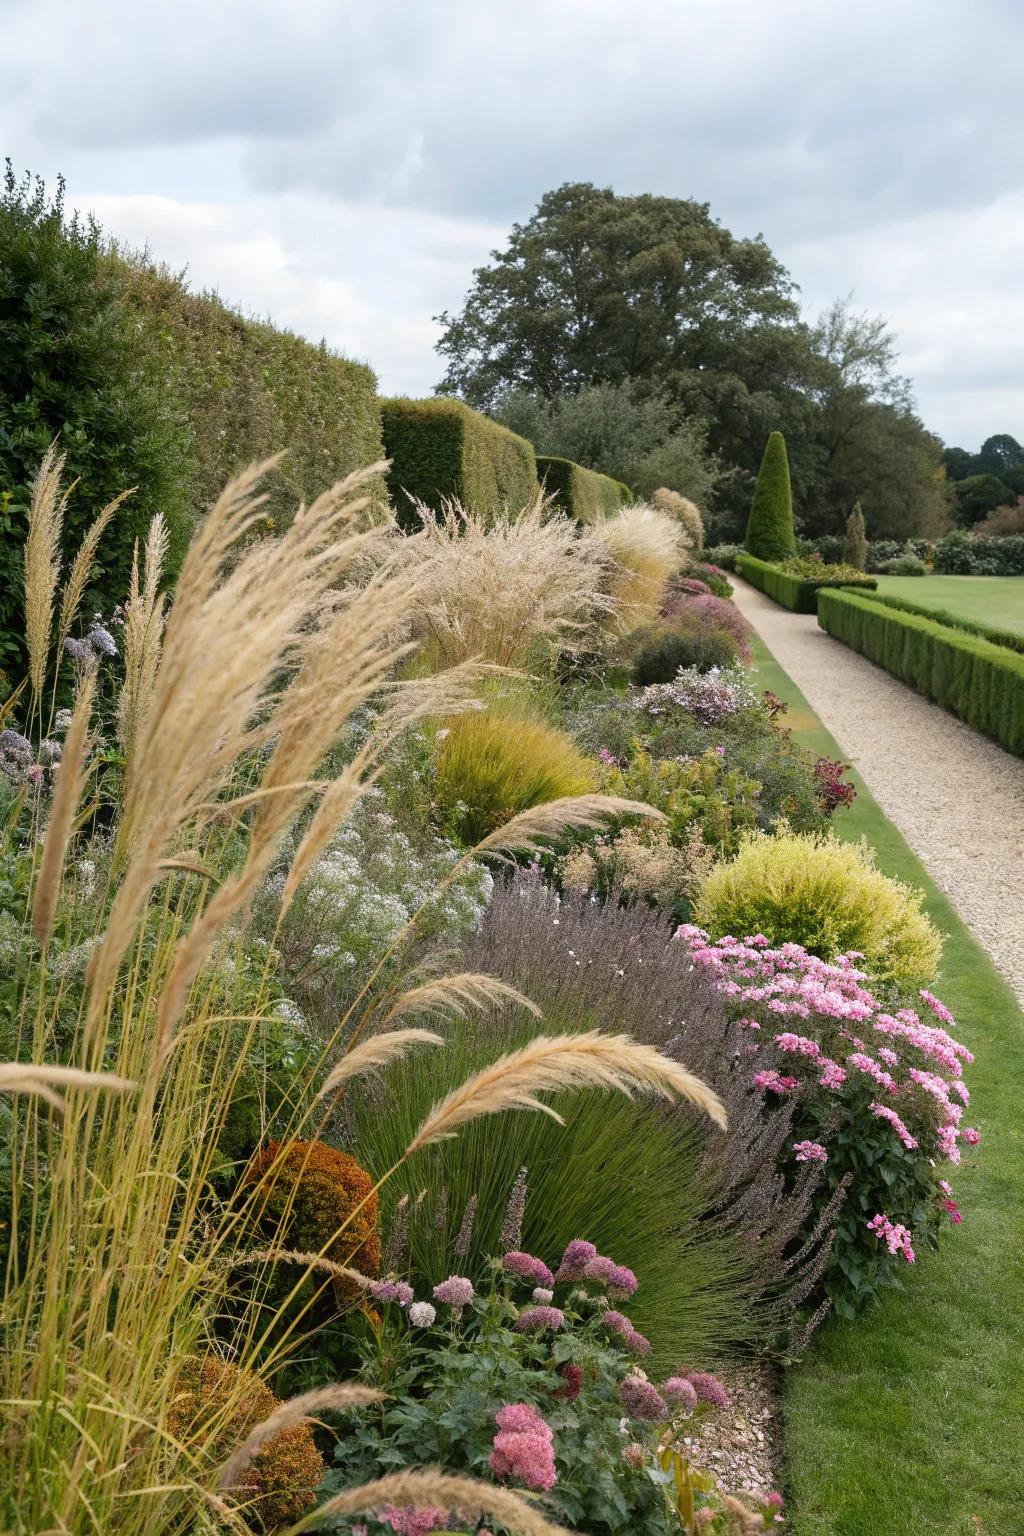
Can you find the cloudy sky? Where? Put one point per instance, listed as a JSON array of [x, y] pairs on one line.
[[342, 165]]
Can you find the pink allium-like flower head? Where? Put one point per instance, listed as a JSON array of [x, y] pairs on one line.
[[576, 1257], [641, 1400], [622, 1283], [526, 1267], [408, 1521], [522, 1448], [542, 1295], [636, 1343], [536, 1319], [456, 1291], [422, 1314], [708, 1388], [680, 1393], [392, 1290]]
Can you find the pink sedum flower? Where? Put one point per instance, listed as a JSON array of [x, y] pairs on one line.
[[810, 1152], [526, 1267], [456, 1291], [522, 1448]]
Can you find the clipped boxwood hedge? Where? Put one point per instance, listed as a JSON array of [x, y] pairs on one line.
[[981, 682], [441, 449], [799, 593], [581, 493], [1008, 637]]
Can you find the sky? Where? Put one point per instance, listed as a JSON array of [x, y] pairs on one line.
[[341, 166]]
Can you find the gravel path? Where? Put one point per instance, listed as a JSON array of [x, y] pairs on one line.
[[957, 797]]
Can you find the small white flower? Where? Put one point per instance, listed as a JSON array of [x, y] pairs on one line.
[[422, 1314], [542, 1296]]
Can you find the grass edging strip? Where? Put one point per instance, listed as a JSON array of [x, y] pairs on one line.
[[908, 1422]]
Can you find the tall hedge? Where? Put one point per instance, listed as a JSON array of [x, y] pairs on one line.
[[243, 389], [72, 368], [981, 682], [441, 449], [770, 534], [581, 493]]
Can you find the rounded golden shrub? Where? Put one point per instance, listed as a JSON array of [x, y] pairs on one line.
[[307, 1191], [215, 1405], [492, 765], [827, 895]]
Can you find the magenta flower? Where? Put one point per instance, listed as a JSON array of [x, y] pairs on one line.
[[526, 1267], [885, 1113], [810, 1152], [408, 1521], [641, 1400], [578, 1254], [708, 1388], [536, 1319], [392, 1290], [522, 1448], [572, 1382], [680, 1393], [895, 1236], [971, 1136]]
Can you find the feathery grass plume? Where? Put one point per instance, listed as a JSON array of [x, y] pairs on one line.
[[141, 640], [647, 546], [337, 1396], [458, 994], [550, 1064], [374, 1053], [43, 1081], [532, 830], [431, 1489], [67, 795], [521, 586], [42, 561], [311, 1261], [81, 567]]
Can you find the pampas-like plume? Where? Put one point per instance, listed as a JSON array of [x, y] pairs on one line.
[[458, 995], [81, 567], [532, 830], [315, 1261], [339, 1395], [647, 546], [26, 1077], [143, 634], [374, 1053], [42, 561], [66, 797], [548, 1064], [433, 1489]]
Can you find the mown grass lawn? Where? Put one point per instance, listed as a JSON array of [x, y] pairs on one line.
[[911, 1421], [995, 600]]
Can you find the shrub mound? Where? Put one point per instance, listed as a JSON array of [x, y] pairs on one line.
[[980, 681], [491, 766], [827, 896], [691, 641], [685, 512], [280, 1482], [307, 1193], [441, 450]]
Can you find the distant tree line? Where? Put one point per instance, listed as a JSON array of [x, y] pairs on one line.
[[638, 336], [987, 482]]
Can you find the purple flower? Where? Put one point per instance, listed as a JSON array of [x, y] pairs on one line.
[[708, 1388], [456, 1291], [680, 1393], [641, 1400], [77, 649], [535, 1319], [392, 1290], [527, 1268], [636, 1343], [621, 1283], [101, 640], [577, 1256]]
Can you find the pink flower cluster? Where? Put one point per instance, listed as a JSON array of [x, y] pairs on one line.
[[409, 1521], [642, 1400], [523, 1447], [456, 1292], [526, 1267], [894, 1234], [708, 696], [810, 1152], [618, 1323], [536, 1319], [581, 1261]]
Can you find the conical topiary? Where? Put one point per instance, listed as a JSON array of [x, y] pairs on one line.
[[770, 525], [855, 545]]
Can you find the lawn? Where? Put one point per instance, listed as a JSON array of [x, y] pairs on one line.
[[909, 1422], [995, 600]]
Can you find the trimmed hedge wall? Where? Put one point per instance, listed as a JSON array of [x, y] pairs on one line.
[[581, 493], [797, 593], [1007, 637], [441, 449], [241, 390], [981, 682]]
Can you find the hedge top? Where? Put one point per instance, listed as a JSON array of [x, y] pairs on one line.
[[441, 450], [770, 534]]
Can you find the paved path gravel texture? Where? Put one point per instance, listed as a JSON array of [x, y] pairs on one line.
[[957, 797]]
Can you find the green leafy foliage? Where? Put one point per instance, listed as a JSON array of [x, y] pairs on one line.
[[441, 450], [961, 554], [981, 682], [798, 592], [581, 493], [770, 533]]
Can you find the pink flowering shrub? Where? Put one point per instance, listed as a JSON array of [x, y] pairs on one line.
[[877, 1096]]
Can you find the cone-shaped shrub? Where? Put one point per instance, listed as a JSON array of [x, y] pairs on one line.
[[770, 526], [855, 545]]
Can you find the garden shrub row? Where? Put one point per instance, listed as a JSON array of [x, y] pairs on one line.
[[582, 494], [1007, 637], [981, 682], [442, 450], [798, 593]]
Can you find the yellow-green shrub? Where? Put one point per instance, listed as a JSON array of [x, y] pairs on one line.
[[216, 1404], [826, 895], [490, 767]]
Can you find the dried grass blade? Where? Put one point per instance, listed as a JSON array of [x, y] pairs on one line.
[[458, 994], [430, 1488], [337, 1396]]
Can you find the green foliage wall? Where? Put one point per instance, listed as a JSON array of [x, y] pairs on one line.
[[581, 493], [799, 593], [442, 449], [981, 682], [244, 390], [770, 533]]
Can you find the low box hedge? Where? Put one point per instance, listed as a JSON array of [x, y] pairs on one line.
[[798, 593], [981, 682], [1007, 637], [581, 493], [441, 450]]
